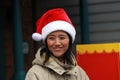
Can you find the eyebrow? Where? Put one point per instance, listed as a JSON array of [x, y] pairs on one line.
[[58, 35]]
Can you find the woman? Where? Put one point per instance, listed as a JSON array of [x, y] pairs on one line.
[[55, 60]]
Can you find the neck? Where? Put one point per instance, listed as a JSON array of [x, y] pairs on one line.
[[61, 60]]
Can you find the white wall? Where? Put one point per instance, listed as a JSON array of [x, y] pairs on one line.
[[104, 20]]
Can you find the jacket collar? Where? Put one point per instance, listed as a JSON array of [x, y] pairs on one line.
[[54, 64]]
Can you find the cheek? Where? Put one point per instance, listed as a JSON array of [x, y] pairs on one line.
[[49, 43], [66, 43]]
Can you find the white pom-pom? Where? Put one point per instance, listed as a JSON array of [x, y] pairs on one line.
[[36, 37]]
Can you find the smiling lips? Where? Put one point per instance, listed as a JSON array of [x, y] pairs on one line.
[[57, 48]]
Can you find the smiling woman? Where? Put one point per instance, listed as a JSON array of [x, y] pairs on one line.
[[55, 60], [58, 43]]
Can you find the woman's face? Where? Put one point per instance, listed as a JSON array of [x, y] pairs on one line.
[[58, 43]]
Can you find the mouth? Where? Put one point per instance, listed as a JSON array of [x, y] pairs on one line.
[[58, 49]]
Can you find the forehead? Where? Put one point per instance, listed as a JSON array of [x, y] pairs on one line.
[[58, 32]]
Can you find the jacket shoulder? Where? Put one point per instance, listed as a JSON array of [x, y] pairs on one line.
[[36, 72], [81, 73]]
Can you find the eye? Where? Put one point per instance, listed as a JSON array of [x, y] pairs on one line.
[[62, 37], [51, 38]]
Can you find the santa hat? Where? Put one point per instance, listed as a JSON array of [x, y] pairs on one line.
[[53, 20]]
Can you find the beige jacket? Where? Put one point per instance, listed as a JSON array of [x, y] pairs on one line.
[[54, 70]]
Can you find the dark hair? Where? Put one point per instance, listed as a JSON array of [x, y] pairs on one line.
[[67, 56]]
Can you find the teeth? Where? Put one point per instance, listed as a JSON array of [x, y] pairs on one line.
[[58, 49]]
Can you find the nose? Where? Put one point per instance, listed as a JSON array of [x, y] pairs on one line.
[[57, 42]]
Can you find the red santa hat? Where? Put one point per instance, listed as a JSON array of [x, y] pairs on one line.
[[53, 20]]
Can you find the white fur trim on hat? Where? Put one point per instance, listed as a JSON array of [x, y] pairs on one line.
[[37, 36], [58, 25]]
